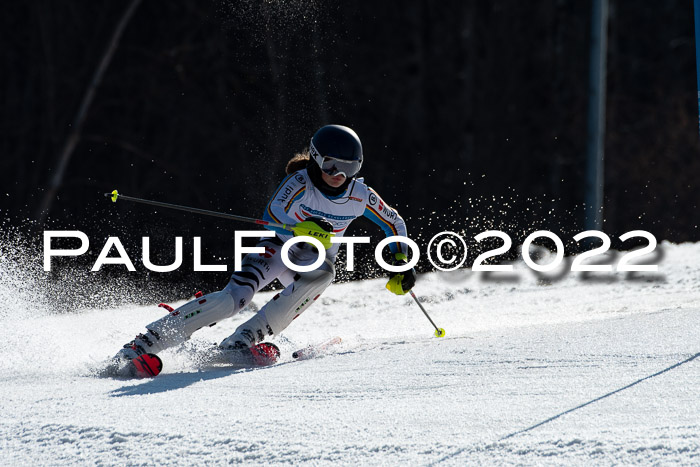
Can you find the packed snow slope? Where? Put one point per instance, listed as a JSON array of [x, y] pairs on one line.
[[575, 371]]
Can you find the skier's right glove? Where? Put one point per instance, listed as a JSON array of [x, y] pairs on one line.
[[316, 227], [401, 282]]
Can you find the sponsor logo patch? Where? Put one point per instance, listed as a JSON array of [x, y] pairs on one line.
[[194, 313], [268, 252], [302, 305], [315, 212], [284, 195], [261, 262]]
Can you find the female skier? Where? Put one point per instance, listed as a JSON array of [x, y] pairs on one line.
[[320, 196]]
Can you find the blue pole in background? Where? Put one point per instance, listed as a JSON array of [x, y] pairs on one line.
[[697, 51]]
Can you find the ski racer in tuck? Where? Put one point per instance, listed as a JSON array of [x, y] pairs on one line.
[[321, 194]]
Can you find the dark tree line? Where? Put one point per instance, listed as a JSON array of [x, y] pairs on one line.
[[472, 113]]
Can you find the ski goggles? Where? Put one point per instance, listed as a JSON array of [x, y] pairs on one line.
[[333, 166]]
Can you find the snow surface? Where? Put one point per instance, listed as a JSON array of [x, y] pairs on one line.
[[531, 371]]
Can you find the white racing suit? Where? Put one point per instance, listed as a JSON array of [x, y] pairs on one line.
[[295, 200]]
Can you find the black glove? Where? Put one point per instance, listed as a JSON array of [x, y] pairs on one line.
[[401, 282], [321, 222]]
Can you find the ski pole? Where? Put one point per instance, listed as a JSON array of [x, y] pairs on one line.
[[115, 195], [439, 332]]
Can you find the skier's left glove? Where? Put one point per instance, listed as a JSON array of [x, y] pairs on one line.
[[401, 282], [316, 227]]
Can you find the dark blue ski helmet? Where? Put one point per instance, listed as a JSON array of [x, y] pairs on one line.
[[337, 150]]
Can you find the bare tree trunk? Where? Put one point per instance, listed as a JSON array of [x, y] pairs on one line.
[[76, 129]]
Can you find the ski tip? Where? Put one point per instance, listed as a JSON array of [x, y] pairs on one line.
[[313, 350], [147, 365]]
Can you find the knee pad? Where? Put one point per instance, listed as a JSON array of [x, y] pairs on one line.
[[241, 294]]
